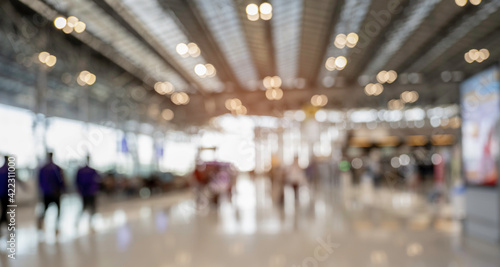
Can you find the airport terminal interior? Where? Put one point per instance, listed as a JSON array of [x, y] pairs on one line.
[[272, 133]]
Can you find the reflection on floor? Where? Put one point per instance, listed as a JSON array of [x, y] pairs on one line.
[[358, 227]]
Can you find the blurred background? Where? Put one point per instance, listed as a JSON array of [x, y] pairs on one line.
[[240, 133]]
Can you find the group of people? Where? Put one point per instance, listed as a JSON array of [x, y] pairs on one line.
[[52, 186], [213, 179], [293, 175]]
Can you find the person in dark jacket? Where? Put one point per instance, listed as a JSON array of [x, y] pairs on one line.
[[4, 191], [52, 185], [87, 183], [8, 177]]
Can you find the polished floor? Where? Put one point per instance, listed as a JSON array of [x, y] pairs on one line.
[[353, 227]]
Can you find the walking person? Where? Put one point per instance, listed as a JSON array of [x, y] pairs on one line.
[[4, 190], [296, 177], [87, 183], [52, 185], [277, 182]]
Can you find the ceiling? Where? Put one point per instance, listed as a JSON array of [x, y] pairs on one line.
[[422, 41]]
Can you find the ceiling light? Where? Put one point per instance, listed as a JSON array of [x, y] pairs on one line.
[[391, 76], [180, 98], [169, 88], [414, 96], [467, 58], [274, 94], [68, 29], [163, 88], [253, 17], [341, 62], [160, 88], [319, 100], [275, 82], [379, 88], [86, 78], [252, 9], [200, 70], [352, 38], [340, 41], [80, 27], [314, 100], [382, 76], [370, 89], [266, 8], [60, 22], [210, 70], [167, 114], [241, 110], [277, 93], [484, 53], [267, 82], [475, 2], [395, 104], [406, 96], [51, 61], [182, 49], [266, 16], [91, 79], [193, 50], [72, 21], [43, 56], [233, 103], [227, 104], [271, 82], [474, 54], [330, 64], [461, 2]]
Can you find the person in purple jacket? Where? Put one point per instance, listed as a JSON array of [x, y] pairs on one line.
[[52, 185], [87, 183]]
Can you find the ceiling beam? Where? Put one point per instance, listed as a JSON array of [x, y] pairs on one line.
[[430, 30], [379, 20], [49, 13], [458, 63], [318, 23], [115, 9], [352, 96], [259, 39], [474, 25], [197, 31]]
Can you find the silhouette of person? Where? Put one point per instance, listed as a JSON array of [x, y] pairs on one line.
[[296, 177], [4, 191], [87, 183], [52, 185]]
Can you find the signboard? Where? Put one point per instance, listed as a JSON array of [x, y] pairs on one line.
[[480, 102]]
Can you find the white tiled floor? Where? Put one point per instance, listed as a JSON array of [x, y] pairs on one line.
[[354, 228]]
